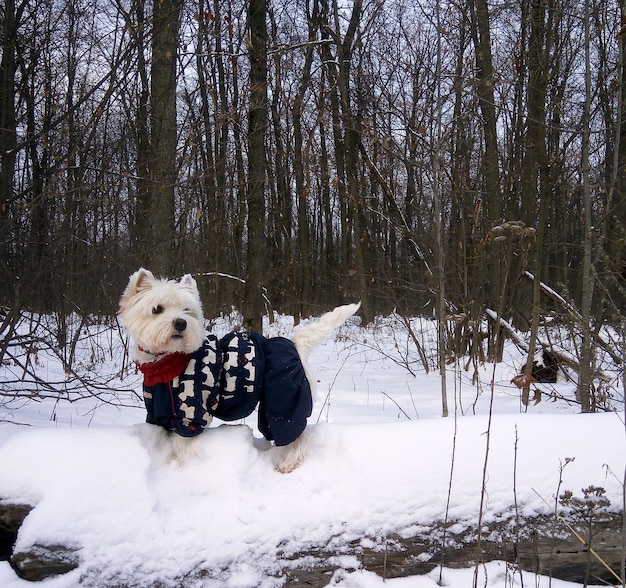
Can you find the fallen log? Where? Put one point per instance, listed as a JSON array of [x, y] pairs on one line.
[[542, 544], [562, 356], [573, 312]]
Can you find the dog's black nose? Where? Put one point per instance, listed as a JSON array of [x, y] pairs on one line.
[[180, 324]]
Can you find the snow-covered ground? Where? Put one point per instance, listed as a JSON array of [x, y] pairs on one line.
[[381, 461]]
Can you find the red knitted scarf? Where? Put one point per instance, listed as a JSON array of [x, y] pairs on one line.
[[164, 370]]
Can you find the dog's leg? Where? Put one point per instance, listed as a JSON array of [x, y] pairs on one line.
[[184, 449], [291, 456]]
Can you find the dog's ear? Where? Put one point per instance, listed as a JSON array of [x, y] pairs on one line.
[[188, 282], [142, 279]]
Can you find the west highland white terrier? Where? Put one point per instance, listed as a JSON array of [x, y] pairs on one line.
[[191, 376]]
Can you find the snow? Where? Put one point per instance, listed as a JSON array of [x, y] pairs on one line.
[[381, 461]]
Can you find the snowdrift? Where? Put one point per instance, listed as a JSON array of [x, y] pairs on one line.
[[228, 518], [383, 467]]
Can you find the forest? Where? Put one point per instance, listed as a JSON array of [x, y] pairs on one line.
[[458, 166], [438, 158]]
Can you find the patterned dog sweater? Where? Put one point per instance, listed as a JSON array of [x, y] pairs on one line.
[[228, 378]]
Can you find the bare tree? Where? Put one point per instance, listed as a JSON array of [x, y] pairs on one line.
[[160, 153], [257, 166], [8, 131], [160, 238], [586, 364]]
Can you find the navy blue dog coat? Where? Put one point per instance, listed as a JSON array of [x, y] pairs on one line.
[[227, 378]]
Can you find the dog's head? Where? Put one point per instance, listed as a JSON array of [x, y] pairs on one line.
[[162, 316]]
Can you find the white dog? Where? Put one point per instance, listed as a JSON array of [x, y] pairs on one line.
[[190, 376]]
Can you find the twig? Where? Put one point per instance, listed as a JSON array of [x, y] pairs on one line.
[[517, 517], [449, 497], [221, 275], [326, 400], [483, 490], [399, 407], [623, 564]]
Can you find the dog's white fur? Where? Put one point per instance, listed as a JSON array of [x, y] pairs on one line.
[[150, 309], [165, 316]]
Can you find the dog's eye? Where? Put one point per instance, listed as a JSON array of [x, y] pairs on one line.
[[157, 309]]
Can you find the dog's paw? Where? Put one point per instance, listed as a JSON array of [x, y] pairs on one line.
[[183, 450], [287, 466], [292, 456]]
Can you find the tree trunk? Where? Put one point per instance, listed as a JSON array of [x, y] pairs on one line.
[[616, 237], [437, 172], [140, 221], [458, 243], [491, 197], [343, 257], [257, 164], [586, 361], [303, 286], [534, 168], [160, 237], [354, 200], [8, 138]]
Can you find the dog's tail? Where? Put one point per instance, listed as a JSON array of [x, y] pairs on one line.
[[311, 335]]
